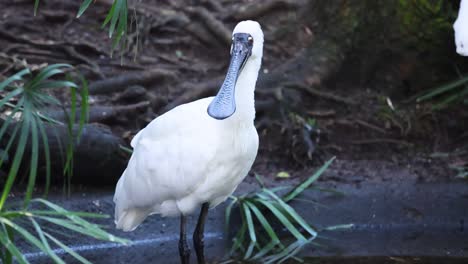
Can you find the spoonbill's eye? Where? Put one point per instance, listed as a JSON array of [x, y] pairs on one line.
[[250, 39]]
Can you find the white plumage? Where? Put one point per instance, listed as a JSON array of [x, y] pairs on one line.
[[185, 157], [461, 29]]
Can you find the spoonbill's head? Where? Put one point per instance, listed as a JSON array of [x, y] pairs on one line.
[[246, 48], [461, 29], [254, 34]]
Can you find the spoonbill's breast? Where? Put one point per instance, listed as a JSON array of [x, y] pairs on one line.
[[185, 158]]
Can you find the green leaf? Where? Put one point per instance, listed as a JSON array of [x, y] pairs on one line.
[[62, 210], [259, 180], [293, 213], [46, 73], [34, 162], [48, 250], [249, 250], [84, 93], [301, 187], [265, 250], [17, 159], [77, 223], [310, 202], [283, 174], [339, 227], [227, 214], [264, 222], [74, 227], [287, 253], [442, 89], [122, 26], [251, 228], [12, 249], [239, 238], [36, 5], [72, 115], [67, 249], [45, 144], [9, 96], [16, 77], [55, 84], [34, 213], [83, 7], [115, 17], [10, 142], [26, 235], [284, 220], [110, 14]]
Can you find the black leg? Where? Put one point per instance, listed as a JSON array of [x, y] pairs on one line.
[[198, 239], [184, 250]]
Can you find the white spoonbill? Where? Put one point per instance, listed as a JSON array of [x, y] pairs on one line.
[[461, 29], [197, 153]]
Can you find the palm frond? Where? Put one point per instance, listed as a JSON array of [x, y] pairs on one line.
[[55, 216], [257, 239], [31, 94]]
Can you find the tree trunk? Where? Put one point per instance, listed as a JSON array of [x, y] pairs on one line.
[[98, 157]]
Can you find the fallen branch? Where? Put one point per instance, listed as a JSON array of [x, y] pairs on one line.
[[370, 126], [70, 50], [200, 32], [193, 92], [318, 93], [379, 140], [119, 83], [100, 114], [319, 113]]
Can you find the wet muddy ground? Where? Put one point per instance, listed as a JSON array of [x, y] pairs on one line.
[[388, 219]]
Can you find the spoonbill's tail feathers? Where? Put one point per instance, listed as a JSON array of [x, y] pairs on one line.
[[130, 219], [127, 218]]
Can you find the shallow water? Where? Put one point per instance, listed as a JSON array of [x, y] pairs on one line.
[[387, 221]]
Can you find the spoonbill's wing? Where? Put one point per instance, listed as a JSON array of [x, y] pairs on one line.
[[171, 158]]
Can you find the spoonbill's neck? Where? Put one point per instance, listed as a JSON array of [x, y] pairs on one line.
[[245, 90]]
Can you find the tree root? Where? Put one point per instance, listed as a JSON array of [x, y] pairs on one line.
[[258, 9], [214, 25], [379, 141], [67, 48], [101, 114], [120, 83], [193, 92], [321, 94]]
